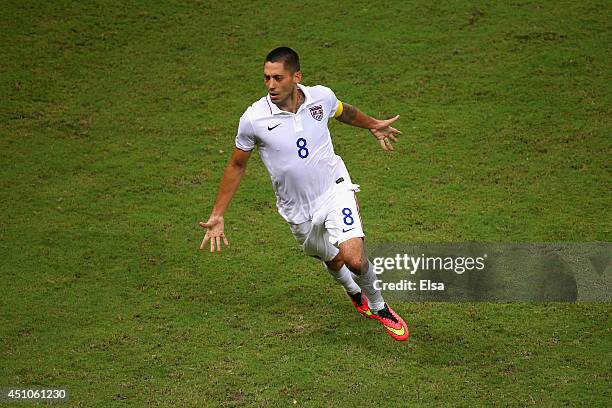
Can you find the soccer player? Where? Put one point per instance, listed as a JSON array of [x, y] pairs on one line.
[[314, 192]]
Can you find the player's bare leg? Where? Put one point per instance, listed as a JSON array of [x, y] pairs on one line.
[[353, 256]]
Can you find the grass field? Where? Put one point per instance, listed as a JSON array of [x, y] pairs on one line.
[[117, 119]]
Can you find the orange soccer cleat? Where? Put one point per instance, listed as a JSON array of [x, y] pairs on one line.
[[361, 304], [394, 324]]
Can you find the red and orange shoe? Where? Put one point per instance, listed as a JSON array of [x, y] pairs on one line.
[[394, 324], [361, 304]]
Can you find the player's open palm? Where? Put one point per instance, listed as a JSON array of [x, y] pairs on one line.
[[215, 230], [385, 133]]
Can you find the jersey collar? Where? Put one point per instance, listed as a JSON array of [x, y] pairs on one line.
[[275, 110]]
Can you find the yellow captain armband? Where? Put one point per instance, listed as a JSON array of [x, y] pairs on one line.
[[339, 110]]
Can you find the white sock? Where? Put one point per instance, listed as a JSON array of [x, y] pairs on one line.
[[366, 283], [343, 277]]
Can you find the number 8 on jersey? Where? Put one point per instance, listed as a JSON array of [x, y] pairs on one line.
[[302, 150]]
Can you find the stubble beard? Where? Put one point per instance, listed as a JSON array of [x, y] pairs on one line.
[[284, 105]]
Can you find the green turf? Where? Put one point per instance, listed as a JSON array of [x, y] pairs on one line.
[[117, 119]]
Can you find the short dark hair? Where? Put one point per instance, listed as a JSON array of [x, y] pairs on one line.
[[287, 56]]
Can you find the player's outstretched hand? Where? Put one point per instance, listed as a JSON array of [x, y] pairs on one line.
[[385, 133], [214, 232]]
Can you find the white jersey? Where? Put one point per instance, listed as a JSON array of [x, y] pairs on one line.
[[297, 150]]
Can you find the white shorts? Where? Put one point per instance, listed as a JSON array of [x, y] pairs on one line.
[[336, 220]]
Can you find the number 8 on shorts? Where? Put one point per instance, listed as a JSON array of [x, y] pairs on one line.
[[348, 216]]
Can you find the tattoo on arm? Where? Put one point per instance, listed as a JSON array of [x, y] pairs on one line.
[[349, 113], [354, 117]]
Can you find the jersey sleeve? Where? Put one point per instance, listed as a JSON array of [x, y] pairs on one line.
[[245, 138], [335, 106]]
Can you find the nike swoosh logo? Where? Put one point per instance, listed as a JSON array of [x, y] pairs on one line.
[[274, 127], [397, 332], [369, 313], [350, 229]]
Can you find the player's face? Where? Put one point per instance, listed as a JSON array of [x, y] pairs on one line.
[[280, 82]]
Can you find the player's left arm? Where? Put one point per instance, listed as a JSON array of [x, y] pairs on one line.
[[381, 129]]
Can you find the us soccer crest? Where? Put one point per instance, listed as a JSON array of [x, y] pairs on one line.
[[317, 112]]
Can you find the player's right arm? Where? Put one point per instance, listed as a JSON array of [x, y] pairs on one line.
[[230, 181]]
